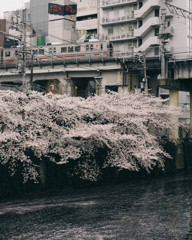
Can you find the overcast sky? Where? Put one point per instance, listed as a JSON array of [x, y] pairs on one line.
[[9, 5]]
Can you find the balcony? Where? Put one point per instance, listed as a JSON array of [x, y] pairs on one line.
[[146, 26], [119, 37], [148, 43], [124, 54], [124, 19], [143, 11], [87, 24], [114, 3]]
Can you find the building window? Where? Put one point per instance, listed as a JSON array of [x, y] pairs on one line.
[[156, 51], [110, 31], [130, 46], [130, 28], [140, 5], [168, 23], [140, 23], [89, 17], [156, 31], [157, 12], [140, 41]]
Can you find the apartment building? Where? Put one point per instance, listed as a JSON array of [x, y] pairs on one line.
[[135, 26], [117, 24]]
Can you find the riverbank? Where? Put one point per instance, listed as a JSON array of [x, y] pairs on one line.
[[57, 177]]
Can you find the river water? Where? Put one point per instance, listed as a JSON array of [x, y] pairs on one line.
[[153, 209]]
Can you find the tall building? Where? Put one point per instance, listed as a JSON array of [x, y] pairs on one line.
[[135, 26], [39, 16], [87, 18], [117, 24], [2, 28], [61, 28]]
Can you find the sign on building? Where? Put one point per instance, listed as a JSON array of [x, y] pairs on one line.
[[70, 9], [56, 9]]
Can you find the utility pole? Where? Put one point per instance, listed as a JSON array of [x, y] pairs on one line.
[[142, 59], [145, 73], [21, 27], [31, 77], [162, 39], [24, 83]]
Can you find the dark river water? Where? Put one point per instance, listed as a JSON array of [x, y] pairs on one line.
[[153, 209]]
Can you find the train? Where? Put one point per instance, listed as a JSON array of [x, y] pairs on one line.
[[88, 49]]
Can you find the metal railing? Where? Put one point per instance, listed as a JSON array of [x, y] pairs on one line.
[[119, 19], [119, 36], [116, 2]]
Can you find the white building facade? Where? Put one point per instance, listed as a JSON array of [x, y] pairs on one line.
[[135, 26], [87, 18]]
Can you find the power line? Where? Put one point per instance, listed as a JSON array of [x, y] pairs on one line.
[[179, 11]]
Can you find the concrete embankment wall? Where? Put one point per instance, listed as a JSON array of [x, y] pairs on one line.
[[55, 177]]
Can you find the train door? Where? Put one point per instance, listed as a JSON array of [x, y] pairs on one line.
[[1, 56], [110, 49]]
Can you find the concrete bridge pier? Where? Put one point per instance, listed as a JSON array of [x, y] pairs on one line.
[[173, 100]]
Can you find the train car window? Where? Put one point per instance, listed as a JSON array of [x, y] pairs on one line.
[[16, 52], [35, 51], [87, 47], [41, 51], [7, 54], [70, 49], [101, 46], [91, 47], [63, 49], [54, 50], [77, 49], [50, 50]]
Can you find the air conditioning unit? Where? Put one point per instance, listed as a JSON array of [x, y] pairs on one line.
[[169, 48], [169, 30]]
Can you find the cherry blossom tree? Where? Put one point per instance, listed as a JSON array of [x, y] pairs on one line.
[[67, 129]]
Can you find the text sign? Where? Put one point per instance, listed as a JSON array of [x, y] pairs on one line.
[[56, 9], [70, 9]]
